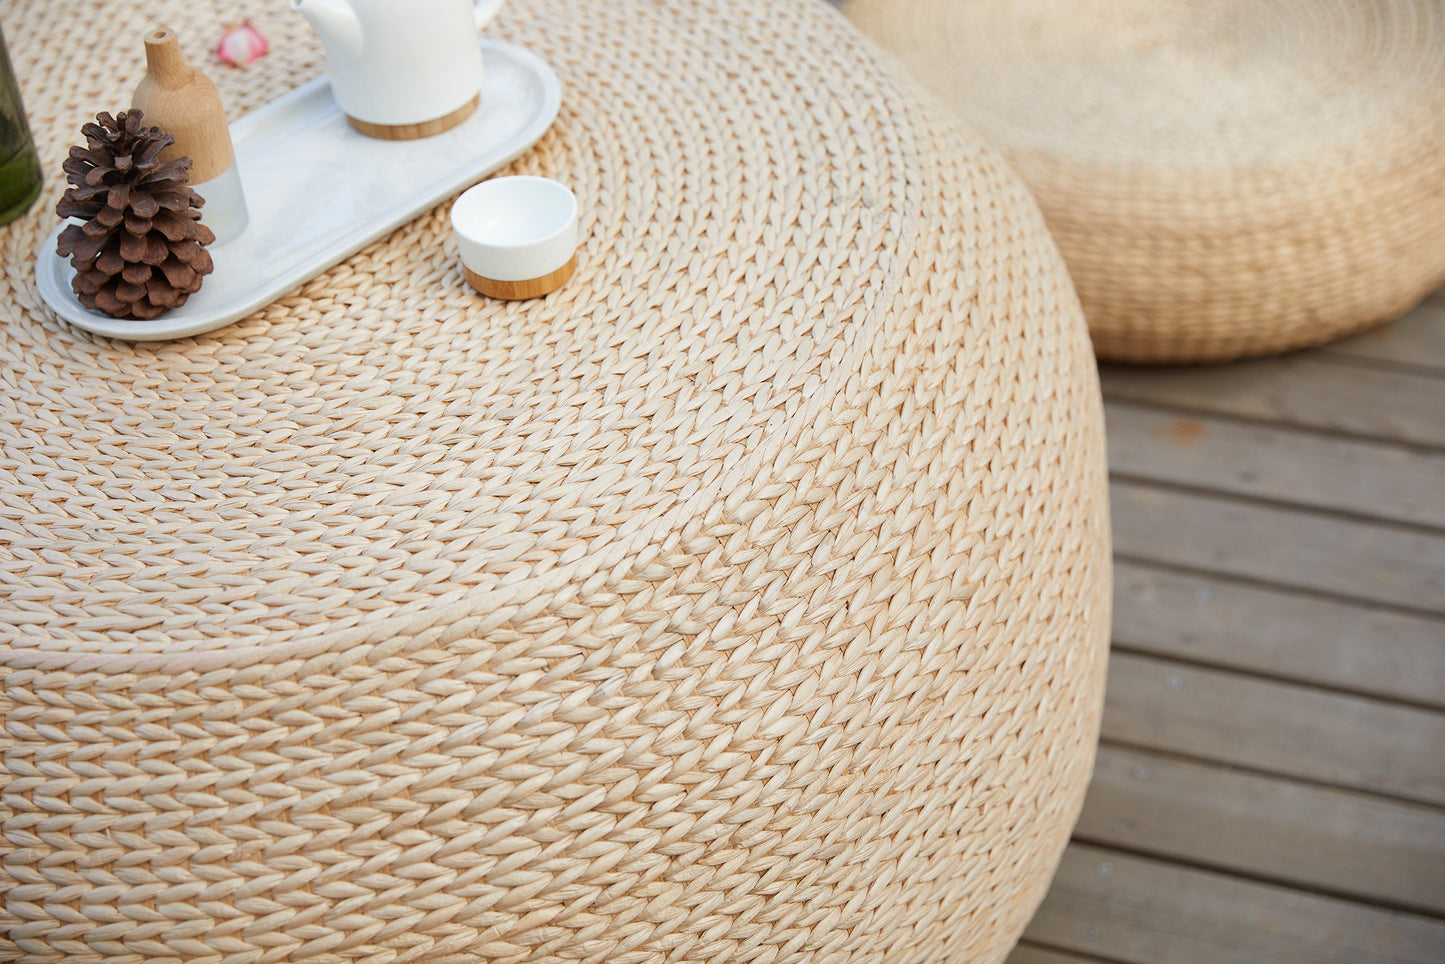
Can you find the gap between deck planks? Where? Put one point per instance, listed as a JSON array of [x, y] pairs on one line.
[[1287, 547], [1415, 341], [1287, 635], [1345, 843], [1119, 907], [1307, 390], [1370, 479], [1298, 732]]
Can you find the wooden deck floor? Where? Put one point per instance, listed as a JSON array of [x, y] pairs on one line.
[[1271, 783]]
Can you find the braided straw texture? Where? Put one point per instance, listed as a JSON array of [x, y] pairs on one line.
[[745, 600], [1225, 177]]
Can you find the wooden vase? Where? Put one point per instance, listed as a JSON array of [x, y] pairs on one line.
[[185, 103]]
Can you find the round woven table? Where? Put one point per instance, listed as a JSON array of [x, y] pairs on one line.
[[744, 600], [1225, 177]]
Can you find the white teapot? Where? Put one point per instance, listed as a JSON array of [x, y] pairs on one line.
[[402, 68]]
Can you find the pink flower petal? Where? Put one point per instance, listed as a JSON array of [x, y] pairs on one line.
[[240, 44]]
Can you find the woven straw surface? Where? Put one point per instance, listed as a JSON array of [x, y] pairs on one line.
[[744, 600], [1224, 177]]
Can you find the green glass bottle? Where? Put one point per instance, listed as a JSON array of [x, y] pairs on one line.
[[19, 164]]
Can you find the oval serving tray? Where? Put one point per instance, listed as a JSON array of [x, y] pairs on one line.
[[318, 191]]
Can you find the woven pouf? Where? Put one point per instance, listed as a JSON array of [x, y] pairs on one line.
[[1225, 177], [744, 600]]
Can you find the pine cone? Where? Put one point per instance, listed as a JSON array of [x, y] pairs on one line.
[[141, 250]]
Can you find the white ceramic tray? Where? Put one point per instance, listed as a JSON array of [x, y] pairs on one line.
[[318, 191]]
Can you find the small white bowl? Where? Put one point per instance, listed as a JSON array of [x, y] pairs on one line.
[[517, 236]]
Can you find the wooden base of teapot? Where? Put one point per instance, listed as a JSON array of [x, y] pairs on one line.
[[410, 132]]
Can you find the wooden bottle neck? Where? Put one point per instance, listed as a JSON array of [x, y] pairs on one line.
[[165, 63]]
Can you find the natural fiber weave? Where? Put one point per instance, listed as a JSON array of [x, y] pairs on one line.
[[1224, 177], [743, 600]]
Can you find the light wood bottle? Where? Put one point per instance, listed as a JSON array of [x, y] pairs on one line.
[[186, 104]]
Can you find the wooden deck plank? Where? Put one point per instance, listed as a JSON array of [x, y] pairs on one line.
[[1288, 547], [1027, 953], [1217, 621], [1142, 911], [1303, 468], [1349, 844], [1417, 340], [1308, 390], [1296, 731]]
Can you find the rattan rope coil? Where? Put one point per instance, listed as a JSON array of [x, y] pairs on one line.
[[1225, 177], [745, 600]]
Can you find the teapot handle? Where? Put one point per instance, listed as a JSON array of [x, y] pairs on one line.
[[486, 10]]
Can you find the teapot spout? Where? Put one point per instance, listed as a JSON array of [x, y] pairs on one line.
[[335, 22]]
